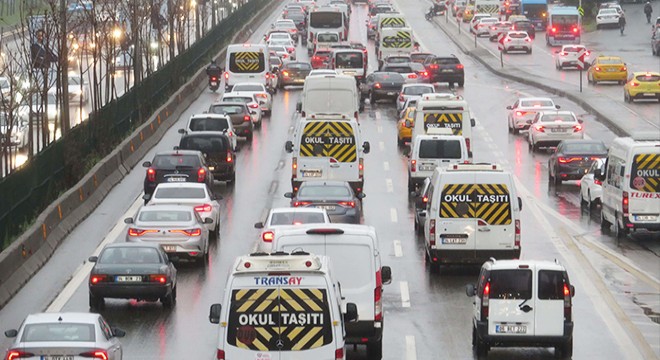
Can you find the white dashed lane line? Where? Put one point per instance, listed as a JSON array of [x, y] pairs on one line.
[[381, 145], [405, 294], [389, 185], [393, 215], [398, 250], [411, 348], [386, 166]]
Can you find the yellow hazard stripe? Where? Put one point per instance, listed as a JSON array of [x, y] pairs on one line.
[[300, 343]]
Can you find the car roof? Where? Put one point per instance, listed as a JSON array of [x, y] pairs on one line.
[[324, 183], [131, 244], [206, 134], [67, 317], [535, 98], [514, 264], [517, 32], [417, 85], [556, 112], [168, 185], [582, 141], [233, 103], [348, 228], [609, 57], [296, 210], [652, 73], [209, 116], [177, 152], [239, 94]]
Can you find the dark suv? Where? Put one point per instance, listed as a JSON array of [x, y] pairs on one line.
[[525, 25], [176, 166], [239, 113], [217, 150], [445, 69]]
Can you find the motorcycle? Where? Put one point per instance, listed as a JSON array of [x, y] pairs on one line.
[[214, 83], [433, 12]]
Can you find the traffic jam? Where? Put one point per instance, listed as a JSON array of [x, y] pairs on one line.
[[384, 178]]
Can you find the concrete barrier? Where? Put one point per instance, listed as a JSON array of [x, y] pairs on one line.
[[25, 256]]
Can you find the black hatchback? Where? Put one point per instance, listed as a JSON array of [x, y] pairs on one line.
[[525, 25], [176, 166], [382, 85], [217, 150], [445, 69]]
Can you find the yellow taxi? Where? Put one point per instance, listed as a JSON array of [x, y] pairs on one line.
[[405, 126], [468, 13], [642, 85], [607, 68]]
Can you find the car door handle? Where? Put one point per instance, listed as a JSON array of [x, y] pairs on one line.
[[334, 165], [484, 229]]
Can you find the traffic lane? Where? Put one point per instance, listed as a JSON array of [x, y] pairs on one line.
[[79, 245]]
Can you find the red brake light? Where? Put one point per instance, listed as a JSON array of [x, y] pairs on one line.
[[624, 69], [625, 202], [203, 208], [201, 175], [377, 85], [516, 241], [18, 354], [229, 158], [540, 128], [425, 199], [554, 30], [95, 279], [459, 66], [432, 232], [139, 232], [575, 30], [220, 355], [159, 278], [412, 76], [634, 84], [433, 66], [268, 236], [564, 160], [246, 118], [214, 78], [361, 168], [350, 204], [151, 174], [598, 182], [285, 73], [520, 113], [301, 203], [577, 128], [96, 354], [597, 68], [378, 300], [413, 165], [401, 98], [188, 232], [226, 75], [339, 354], [253, 105], [425, 73]]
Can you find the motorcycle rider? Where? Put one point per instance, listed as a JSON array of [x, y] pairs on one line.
[[213, 69], [648, 9]]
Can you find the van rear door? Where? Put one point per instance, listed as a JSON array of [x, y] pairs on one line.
[[644, 197], [510, 297], [492, 200], [550, 302], [457, 225], [328, 150]]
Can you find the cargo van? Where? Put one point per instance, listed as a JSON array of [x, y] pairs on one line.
[[427, 152], [472, 214], [351, 62], [281, 306], [444, 110], [247, 63], [330, 94], [631, 185], [389, 20], [355, 256], [394, 41], [327, 148]]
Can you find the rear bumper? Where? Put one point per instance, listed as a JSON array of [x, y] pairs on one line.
[[439, 77], [445, 256], [650, 226], [357, 186], [514, 340], [359, 331], [571, 173], [386, 93], [135, 291]]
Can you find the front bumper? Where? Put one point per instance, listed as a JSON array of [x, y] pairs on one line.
[[525, 340]]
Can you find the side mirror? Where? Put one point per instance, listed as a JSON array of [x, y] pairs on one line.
[[366, 147], [146, 197], [259, 225], [557, 107], [117, 332], [509, 107], [299, 106], [288, 195], [470, 290], [208, 221], [386, 275], [93, 259], [598, 175], [351, 314], [182, 131], [214, 313], [572, 291], [216, 197], [146, 164], [407, 124], [361, 195], [473, 122], [519, 203], [11, 333], [129, 220], [288, 146], [580, 121]]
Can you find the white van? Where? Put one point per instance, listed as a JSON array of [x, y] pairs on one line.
[[247, 63], [394, 41], [631, 185], [351, 62], [444, 110], [330, 94], [427, 152], [522, 303], [389, 20], [354, 253], [327, 148], [472, 214], [284, 306]]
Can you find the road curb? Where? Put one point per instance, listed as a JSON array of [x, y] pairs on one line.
[[25, 256], [600, 116]]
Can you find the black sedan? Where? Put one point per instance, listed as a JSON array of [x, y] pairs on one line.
[[382, 85], [217, 150], [176, 166], [336, 197], [573, 158], [293, 73], [132, 271]]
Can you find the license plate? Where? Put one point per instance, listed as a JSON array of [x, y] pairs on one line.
[[649, 94], [645, 217], [169, 248], [176, 179], [426, 168], [558, 130], [327, 207], [612, 70], [447, 70], [454, 240], [391, 93], [311, 173], [511, 329], [124, 278], [57, 357]]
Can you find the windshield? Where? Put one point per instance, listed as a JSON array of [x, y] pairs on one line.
[[129, 255], [393, 77], [440, 149], [164, 215], [180, 193], [170, 162], [326, 20], [65, 332], [327, 38], [323, 191], [296, 218]]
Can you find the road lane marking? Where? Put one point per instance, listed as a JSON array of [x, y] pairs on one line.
[[386, 165], [377, 115], [398, 250], [405, 294], [83, 271], [389, 185], [381, 145], [393, 215], [411, 349]]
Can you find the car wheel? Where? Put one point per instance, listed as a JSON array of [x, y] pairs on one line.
[[619, 231], [96, 303], [372, 99], [460, 83], [480, 348], [590, 203], [604, 224], [557, 180], [232, 179], [169, 300], [249, 136], [529, 51], [400, 141], [564, 350], [626, 98], [589, 80], [375, 350], [411, 186], [621, 82]]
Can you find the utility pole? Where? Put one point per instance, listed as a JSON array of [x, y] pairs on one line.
[[63, 66]]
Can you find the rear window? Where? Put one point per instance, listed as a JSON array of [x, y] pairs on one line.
[[440, 149], [389, 77], [322, 191], [537, 103], [397, 59], [205, 144], [418, 90], [327, 38], [129, 255], [295, 218], [573, 48], [238, 99], [558, 117], [247, 62], [164, 215], [645, 173], [489, 202], [588, 148], [298, 66], [419, 57], [511, 284], [171, 162], [612, 61], [551, 285], [322, 53], [66, 332], [227, 109], [349, 60], [210, 124], [180, 193], [279, 319], [648, 78], [517, 35], [399, 69], [445, 61]]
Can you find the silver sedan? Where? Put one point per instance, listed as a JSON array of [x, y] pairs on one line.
[[65, 336], [177, 228]]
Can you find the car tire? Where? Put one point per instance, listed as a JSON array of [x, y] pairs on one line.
[[622, 82], [169, 300], [375, 350], [460, 83], [590, 203], [557, 181], [372, 99], [564, 350], [480, 348], [400, 142], [96, 303], [530, 51], [620, 232], [604, 224], [411, 186], [249, 136], [232, 179]]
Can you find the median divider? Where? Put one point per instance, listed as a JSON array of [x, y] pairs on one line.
[[25, 256]]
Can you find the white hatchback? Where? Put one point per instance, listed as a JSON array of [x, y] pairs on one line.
[[522, 112], [550, 127], [517, 41], [196, 195], [480, 27], [412, 91], [260, 93], [568, 56], [281, 218]]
